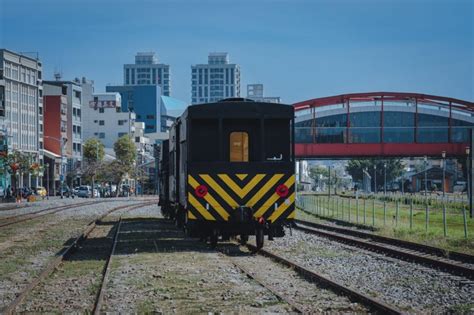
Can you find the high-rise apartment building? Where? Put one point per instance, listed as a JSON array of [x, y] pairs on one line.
[[215, 80], [21, 102], [255, 92], [147, 71]]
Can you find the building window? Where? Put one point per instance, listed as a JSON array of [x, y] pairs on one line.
[[137, 139], [101, 135], [101, 110], [77, 94], [121, 134], [239, 146], [149, 127], [150, 116], [101, 123], [121, 122]]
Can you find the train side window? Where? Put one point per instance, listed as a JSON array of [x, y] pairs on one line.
[[239, 146]]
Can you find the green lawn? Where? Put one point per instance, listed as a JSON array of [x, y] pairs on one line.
[[406, 224]]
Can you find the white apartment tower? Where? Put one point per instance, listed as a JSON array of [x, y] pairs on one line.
[[216, 80], [147, 71]]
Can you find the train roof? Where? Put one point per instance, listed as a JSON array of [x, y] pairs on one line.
[[239, 108]]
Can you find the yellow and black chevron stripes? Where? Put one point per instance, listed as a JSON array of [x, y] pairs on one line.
[[208, 197], [225, 192], [241, 192], [273, 199]]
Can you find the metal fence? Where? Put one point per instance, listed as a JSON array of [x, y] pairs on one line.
[[439, 218]]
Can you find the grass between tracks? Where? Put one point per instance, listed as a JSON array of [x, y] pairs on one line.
[[24, 247], [388, 225]]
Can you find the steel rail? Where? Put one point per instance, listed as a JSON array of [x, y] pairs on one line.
[[64, 254], [30, 216], [436, 251], [106, 271], [410, 255], [375, 304]]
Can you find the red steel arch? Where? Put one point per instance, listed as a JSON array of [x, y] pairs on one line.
[[340, 150]]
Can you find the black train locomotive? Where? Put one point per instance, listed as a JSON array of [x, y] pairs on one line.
[[230, 170]]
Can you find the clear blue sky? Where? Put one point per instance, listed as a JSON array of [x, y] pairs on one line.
[[297, 49]]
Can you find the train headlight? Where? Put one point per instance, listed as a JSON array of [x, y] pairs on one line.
[[282, 190], [200, 191]]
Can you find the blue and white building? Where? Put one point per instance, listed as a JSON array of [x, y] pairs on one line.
[[145, 102]]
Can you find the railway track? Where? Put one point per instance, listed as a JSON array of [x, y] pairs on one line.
[[252, 275], [458, 264], [67, 252], [106, 271], [7, 221], [368, 301]]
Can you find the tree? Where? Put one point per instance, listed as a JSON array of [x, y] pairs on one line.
[[21, 163], [93, 154], [316, 171], [93, 151], [125, 154], [355, 168]]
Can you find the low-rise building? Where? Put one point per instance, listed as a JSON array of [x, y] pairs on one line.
[[105, 120], [255, 92]]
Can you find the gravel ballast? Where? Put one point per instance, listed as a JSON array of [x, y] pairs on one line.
[[409, 286]]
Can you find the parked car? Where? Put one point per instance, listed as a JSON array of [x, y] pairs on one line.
[[41, 191], [84, 192], [75, 190]]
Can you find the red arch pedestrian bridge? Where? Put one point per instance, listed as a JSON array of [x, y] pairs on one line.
[[382, 124]]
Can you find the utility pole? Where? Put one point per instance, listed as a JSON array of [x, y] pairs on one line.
[[47, 181], [61, 171], [329, 184], [96, 161], [443, 154], [375, 178], [426, 176]]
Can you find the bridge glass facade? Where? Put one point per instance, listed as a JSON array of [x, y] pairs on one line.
[[382, 119], [398, 128]]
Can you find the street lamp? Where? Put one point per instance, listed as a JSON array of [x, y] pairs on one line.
[[62, 143], [443, 154], [385, 178], [375, 178]]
